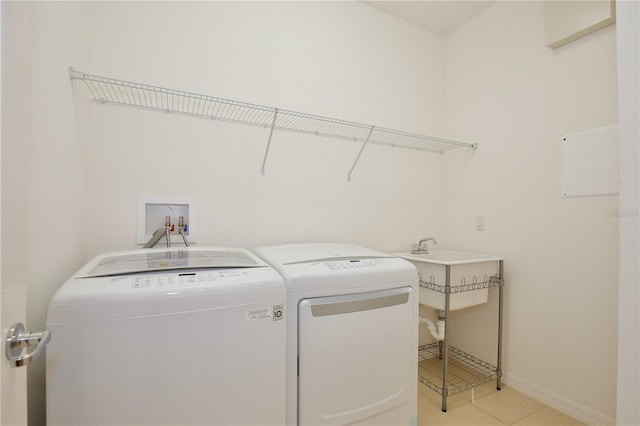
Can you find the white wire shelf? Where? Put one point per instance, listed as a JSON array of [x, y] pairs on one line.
[[463, 286], [465, 370], [119, 92]]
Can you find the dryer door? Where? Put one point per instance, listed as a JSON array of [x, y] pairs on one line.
[[356, 357]]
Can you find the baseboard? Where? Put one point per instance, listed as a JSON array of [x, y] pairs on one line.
[[558, 402]]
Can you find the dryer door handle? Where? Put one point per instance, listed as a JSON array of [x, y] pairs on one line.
[[18, 339], [335, 305]]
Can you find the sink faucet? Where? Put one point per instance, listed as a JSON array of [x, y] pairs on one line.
[[421, 247]]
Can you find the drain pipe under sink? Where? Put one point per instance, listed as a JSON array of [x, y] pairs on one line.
[[437, 331]]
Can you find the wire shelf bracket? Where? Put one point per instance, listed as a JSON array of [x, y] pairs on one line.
[[359, 154], [119, 92], [266, 152]]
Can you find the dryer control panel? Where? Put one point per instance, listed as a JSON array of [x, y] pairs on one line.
[[354, 264]]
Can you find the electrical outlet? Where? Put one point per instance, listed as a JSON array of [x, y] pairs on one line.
[[153, 213]]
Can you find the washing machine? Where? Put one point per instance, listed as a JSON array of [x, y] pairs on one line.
[[173, 336], [352, 334]]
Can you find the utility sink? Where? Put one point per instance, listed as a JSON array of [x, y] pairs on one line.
[[467, 274]]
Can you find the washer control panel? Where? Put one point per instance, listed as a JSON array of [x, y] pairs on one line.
[[181, 279]]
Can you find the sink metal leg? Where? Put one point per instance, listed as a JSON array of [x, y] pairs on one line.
[[445, 344], [500, 319]]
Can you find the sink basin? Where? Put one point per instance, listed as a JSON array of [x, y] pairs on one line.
[[467, 273]]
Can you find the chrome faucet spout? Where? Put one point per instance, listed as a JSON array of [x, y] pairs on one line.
[[421, 247], [424, 240]]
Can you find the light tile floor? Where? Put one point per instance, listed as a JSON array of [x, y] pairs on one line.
[[490, 407]]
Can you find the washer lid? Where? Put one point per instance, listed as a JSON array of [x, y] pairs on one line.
[[173, 281], [137, 261], [291, 254]]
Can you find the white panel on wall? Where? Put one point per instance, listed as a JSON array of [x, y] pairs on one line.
[[590, 163]]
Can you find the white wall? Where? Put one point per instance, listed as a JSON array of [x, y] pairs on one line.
[[337, 59], [507, 91], [628, 410]]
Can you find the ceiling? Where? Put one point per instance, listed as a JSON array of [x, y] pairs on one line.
[[440, 17]]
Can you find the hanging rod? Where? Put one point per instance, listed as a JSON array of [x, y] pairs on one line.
[[112, 91]]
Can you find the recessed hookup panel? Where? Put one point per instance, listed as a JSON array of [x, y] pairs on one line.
[[155, 212]]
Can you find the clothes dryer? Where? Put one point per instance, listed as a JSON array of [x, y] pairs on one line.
[[172, 336], [352, 334]]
